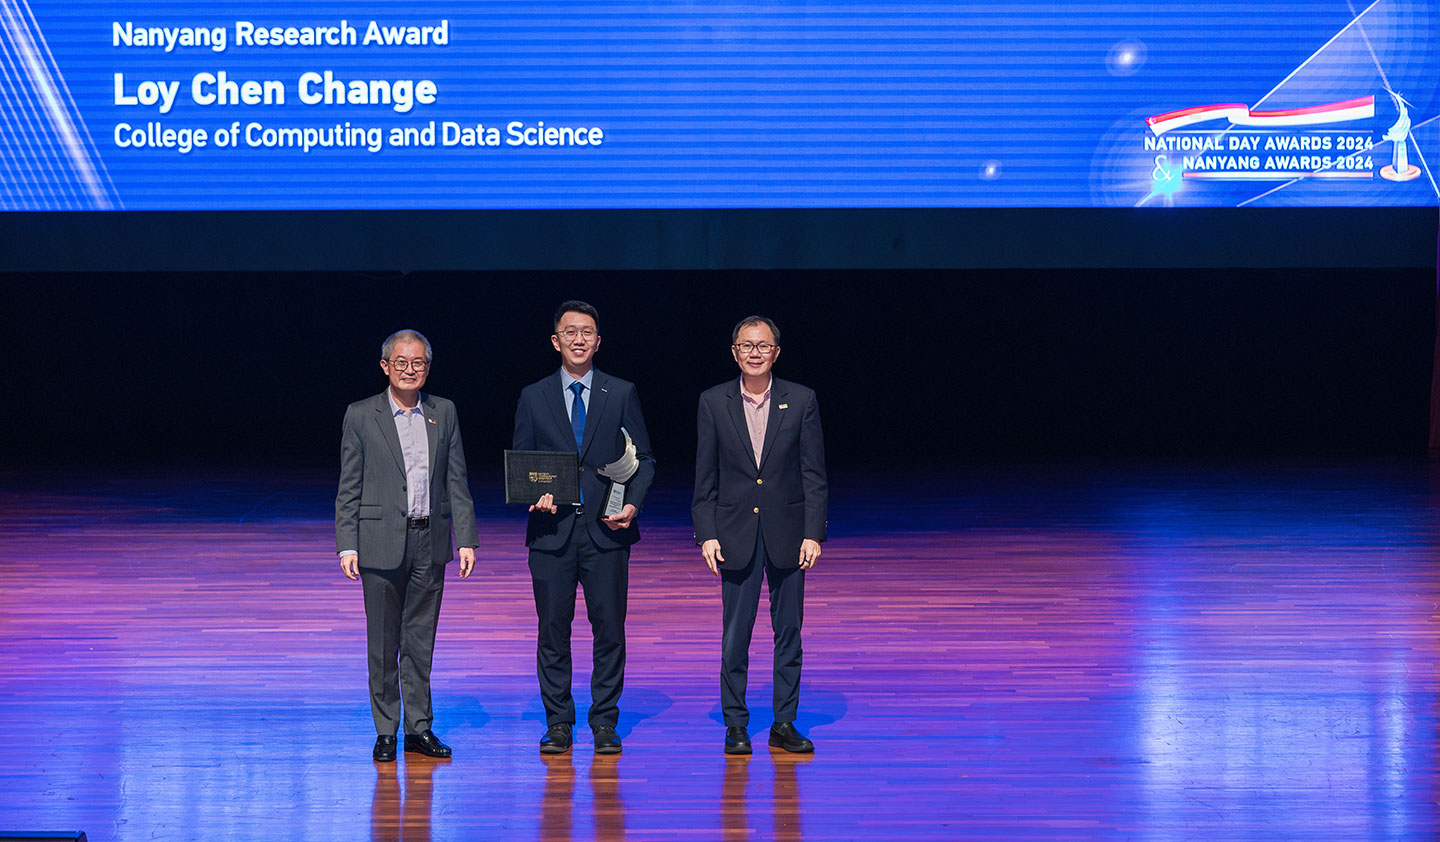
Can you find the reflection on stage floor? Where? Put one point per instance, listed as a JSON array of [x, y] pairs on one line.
[[1084, 653]]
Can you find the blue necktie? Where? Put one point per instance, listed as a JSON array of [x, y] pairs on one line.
[[577, 413]]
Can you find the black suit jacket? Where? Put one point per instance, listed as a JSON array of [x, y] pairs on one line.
[[785, 497], [371, 504], [541, 423]]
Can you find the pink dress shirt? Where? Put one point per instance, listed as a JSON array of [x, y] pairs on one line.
[[757, 412]]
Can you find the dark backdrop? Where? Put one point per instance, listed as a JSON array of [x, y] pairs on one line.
[[719, 239], [912, 366]]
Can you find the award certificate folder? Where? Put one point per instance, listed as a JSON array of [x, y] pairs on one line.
[[532, 473]]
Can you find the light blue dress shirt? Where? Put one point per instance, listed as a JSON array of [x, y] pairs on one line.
[[415, 448], [566, 380]]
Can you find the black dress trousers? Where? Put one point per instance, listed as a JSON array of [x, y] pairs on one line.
[[739, 600]]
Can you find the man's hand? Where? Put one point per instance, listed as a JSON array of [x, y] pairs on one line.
[[350, 566], [809, 552], [467, 561], [546, 503], [713, 557], [622, 520]]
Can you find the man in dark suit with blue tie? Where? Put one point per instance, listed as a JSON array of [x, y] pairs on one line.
[[759, 511], [580, 408]]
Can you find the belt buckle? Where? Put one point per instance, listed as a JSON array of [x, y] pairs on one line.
[[418, 522]]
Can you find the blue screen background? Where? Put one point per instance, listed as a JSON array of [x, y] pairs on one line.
[[703, 105]]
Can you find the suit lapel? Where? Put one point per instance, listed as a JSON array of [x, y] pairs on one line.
[[556, 401], [598, 398], [432, 432], [386, 423], [778, 395], [736, 406]]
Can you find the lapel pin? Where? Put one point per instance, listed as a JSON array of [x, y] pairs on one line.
[[431, 420], [784, 406]]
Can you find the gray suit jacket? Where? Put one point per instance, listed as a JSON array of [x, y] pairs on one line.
[[371, 504]]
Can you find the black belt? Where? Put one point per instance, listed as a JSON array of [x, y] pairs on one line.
[[418, 522]]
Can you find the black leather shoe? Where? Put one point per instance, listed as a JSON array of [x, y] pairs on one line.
[[557, 739], [783, 735], [737, 741], [606, 740], [384, 749], [426, 743]]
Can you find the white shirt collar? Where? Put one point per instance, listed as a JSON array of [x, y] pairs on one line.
[[396, 409], [586, 380]]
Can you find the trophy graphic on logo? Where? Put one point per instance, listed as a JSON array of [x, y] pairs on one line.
[[619, 472], [1399, 168]]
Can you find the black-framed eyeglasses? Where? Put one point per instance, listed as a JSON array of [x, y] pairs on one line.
[[416, 366], [764, 348]]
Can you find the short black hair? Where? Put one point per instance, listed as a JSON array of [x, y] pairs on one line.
[[755, 320], [574, 306]]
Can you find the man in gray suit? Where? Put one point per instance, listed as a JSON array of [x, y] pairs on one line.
[[402, 485]]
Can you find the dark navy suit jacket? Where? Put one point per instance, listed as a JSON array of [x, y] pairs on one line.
[[784, 498], [541, 423]]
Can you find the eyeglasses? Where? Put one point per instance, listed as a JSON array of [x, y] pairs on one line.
[[765, 348], [571, 333], [416, 366]]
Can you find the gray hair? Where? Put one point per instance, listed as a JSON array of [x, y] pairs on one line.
[[406, 335]]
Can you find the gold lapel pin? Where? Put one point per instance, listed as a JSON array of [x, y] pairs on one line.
[[784, 406]]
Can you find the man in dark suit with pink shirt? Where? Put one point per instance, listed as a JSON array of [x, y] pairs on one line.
[[759, 512]]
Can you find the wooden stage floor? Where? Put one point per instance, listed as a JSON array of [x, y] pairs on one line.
[[1139, 653]]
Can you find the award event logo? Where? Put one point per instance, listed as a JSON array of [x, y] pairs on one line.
[[1333, 140]]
